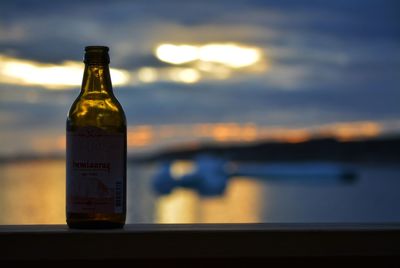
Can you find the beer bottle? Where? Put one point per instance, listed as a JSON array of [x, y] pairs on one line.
[[96, 150]]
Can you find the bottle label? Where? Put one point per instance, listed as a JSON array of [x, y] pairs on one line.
[[95, 171]]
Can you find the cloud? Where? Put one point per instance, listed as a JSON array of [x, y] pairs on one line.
[[328, 61]]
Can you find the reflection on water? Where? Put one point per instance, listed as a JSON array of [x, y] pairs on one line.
[[181, 206], [242, 202], [34, 193], [209, 175]]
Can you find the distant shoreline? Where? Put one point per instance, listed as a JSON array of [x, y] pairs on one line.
[[382, 150], [326, 149]]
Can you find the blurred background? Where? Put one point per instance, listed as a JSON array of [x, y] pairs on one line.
[[238, 111]]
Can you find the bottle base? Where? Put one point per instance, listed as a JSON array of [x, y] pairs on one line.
[[95, 225], [95, 221]]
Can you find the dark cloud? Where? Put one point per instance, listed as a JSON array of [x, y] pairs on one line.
[[330, 60]]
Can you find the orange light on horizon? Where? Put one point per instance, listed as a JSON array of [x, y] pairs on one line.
[[250, 132], [140, 136], [153, 136], [61, 143], [352, 130]]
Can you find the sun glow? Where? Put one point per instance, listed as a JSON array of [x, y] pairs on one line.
[[230, 54], [147, 74], [68, 74], [185, 75], [207, 62], [176, 54]]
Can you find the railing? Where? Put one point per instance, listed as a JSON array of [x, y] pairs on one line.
[[188, 242]]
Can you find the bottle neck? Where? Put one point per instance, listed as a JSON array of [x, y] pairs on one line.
[[96, 78]]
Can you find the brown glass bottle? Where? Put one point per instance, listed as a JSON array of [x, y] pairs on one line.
[[96, 150]]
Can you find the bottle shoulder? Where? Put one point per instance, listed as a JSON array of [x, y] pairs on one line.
[[96, 110]]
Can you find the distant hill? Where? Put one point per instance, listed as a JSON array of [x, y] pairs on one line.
[[372, 150], [31, 157]]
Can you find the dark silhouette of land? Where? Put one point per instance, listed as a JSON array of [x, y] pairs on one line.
[[381, 150]]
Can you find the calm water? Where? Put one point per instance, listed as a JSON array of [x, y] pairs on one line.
[[34, 193]]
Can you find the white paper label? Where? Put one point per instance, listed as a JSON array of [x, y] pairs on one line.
[[95, 171]]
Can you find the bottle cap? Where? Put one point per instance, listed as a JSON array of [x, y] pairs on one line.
[[96, 55]]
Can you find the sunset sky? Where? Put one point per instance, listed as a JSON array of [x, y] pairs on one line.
[[186, 71]]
